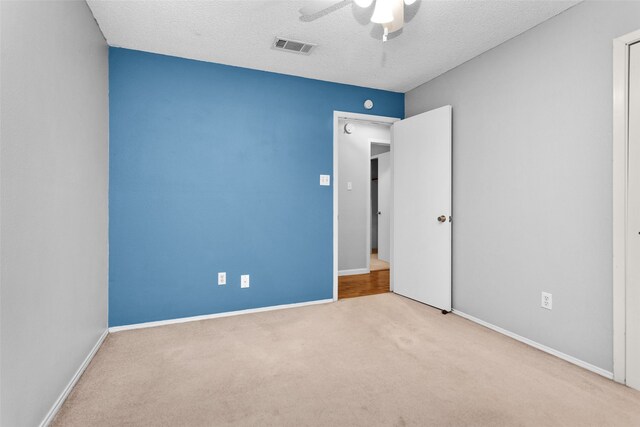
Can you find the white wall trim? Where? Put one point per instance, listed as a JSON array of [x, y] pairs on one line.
[[354, 271], [620, 176], [553, 352], [337, 115], [65, 393], [215, 315]]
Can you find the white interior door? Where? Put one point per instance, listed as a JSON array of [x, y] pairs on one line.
[[384, 206], [422, 207], [633, 225]]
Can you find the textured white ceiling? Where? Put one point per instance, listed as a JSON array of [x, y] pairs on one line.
[[441, 35]]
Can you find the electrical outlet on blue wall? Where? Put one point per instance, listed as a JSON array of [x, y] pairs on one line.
[[190, 146], [244, 281]]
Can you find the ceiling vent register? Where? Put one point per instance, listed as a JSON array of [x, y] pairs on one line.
[[293, 46]]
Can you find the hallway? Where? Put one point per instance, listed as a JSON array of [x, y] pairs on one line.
[[359, 285]]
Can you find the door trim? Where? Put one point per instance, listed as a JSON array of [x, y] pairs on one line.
[[621, 48], [337, 115]]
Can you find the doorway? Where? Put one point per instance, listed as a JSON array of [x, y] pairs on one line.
[[420, 214], [364, 205], [380, 212]]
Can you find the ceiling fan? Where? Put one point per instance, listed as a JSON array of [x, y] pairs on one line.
[[388, 13]]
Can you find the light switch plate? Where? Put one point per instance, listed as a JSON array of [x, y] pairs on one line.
[[349, 186], [222, 278], [325, 180], [244, 281]]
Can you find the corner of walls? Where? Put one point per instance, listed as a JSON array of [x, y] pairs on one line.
[[53, 216]]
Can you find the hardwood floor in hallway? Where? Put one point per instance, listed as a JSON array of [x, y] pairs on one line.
[[376, 282]]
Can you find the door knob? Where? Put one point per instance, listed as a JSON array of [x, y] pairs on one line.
[[379, 213], [442, 218]]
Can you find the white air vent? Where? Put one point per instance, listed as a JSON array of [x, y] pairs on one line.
[[293, 46]]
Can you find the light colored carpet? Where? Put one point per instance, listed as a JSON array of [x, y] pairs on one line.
[[378, 360], [377, 264]]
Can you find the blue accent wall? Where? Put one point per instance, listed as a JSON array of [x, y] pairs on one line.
[[216, 168]]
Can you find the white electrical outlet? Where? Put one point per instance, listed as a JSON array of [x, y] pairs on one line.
[[244, 281], [222, 278], [547, 301], [325, 180]]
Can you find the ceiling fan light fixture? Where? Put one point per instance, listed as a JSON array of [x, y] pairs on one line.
[[364, 3], [383, 12]]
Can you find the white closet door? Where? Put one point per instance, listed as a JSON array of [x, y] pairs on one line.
[[633, 221]]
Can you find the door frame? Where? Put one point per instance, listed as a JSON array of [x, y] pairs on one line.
[[377, 141], [337, 115], [621, 49]]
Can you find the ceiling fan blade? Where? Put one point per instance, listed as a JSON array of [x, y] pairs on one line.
[[307, 16], [311, 7], [411, 10]]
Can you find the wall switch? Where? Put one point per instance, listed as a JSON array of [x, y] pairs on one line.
[[325, 180], [222, 278], [244, 281], [547, 301], [349, 186]]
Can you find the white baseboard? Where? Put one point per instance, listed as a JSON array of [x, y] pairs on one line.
[[215, 315], [65, 393], [570, 359], [354, 272]]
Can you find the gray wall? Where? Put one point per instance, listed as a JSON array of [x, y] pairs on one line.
[[354, 165], [375, 150], [532, 185], [53, 188]]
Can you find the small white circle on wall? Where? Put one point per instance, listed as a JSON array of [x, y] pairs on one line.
[[348, 128], [368, 104]]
